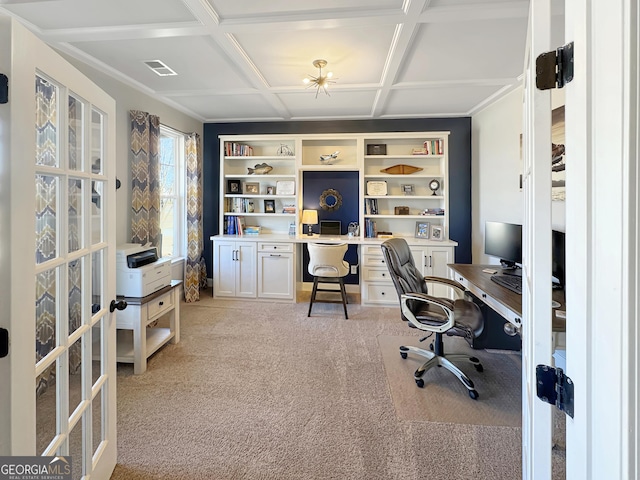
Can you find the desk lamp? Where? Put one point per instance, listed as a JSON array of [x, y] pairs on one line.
[[310, 217]]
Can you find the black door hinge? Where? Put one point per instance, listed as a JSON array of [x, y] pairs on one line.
[[554, 387], [4, 88], [4, 342], [555, 69]]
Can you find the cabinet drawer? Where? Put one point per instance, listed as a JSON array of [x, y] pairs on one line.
[[375, 274], [381, 293], [372, 250], [373, 261], [159, 305], [275, 247]]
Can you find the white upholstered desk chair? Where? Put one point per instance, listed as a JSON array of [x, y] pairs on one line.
[[327, 265]]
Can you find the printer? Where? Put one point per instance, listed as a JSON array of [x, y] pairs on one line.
[[139, 271]]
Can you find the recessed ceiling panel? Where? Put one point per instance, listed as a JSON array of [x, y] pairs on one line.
[[436, 101], [234, 8], [84, 13], [229, 107], [209, 69], [339, 104], [354, 55], [466, 51]]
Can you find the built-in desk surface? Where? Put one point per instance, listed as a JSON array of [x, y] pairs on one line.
[[475, 277]]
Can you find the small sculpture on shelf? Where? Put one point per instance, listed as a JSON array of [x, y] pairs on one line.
[[284, 150], [329, 158], [260, 169]]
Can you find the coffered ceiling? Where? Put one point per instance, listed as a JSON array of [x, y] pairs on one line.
[[244, 60]]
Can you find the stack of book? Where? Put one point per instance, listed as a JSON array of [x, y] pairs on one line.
[[433, 211], [232, 149], [289, 209], [252, 230]]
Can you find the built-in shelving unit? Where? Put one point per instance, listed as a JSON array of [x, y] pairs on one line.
[[406, 200]]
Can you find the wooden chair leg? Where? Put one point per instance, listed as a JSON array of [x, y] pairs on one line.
[[313, 294], [343, 291]]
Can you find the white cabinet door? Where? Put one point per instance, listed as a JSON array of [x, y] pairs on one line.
[[245, 271], [436, 259], [275, 275], [420, 258], [224, 267]]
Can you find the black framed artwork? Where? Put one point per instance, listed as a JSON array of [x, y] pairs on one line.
[[269, 206], [234, 186]]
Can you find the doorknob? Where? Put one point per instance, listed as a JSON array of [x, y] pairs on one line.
[[120, 305]]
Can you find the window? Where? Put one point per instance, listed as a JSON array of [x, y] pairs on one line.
[[172, 192]]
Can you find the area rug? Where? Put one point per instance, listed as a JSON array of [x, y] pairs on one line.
[[444, 398]]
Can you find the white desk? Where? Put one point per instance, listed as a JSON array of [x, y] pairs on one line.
[[136, 342], [269, 266]]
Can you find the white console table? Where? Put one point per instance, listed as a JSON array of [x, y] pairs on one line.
[[135, 341]]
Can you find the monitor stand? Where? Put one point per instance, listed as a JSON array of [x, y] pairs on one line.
[[510, 268]]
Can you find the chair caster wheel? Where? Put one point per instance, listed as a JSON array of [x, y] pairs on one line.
[[403, 354], [420, 383], [479, 367], [473, 394]]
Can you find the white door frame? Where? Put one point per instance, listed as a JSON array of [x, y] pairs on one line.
[[536, 249], [17, 242], [602, 239]]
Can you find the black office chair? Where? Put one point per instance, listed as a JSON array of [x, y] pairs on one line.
[[432, 314]]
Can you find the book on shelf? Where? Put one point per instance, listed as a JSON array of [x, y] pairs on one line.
[[291, 209], [232, 149], [370, 228], [432, 147], [433, 211], [371, 206], [252, 230], [234, 225]]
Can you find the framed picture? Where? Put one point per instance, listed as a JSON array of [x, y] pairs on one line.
[[423, 229], [269, 206], [437, 232], [376, 188], [271, 190], [286, 187], [252, 188], [234, 186], [407, 189]]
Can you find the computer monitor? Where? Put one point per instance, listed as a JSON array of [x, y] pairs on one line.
[[330, 227], [557, 259], [504, 241]]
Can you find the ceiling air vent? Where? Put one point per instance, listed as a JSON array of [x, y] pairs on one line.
[[160, 68]]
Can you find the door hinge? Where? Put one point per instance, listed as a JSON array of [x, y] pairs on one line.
[[4, 342], [554, 387], [555, 69]]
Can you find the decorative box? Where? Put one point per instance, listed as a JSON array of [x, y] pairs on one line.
[[401, 210], [377, 149]]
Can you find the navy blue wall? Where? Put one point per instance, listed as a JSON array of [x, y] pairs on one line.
[[459, 165], [346, 183]]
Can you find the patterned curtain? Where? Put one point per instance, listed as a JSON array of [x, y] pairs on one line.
[[45, 249], [145, 192], [195, 274]]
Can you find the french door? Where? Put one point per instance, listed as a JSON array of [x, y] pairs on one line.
[[58, 175]]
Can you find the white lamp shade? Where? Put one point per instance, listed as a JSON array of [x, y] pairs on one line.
[[310, 217]]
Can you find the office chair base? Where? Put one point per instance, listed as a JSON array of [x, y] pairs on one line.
[[446, 362]]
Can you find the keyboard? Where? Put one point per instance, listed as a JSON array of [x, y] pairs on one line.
[[510, 282]]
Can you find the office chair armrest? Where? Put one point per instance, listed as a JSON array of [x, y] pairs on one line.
[[444, 303], [457, 287]]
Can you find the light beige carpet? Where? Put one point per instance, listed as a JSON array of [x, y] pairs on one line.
[[444, 398]]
